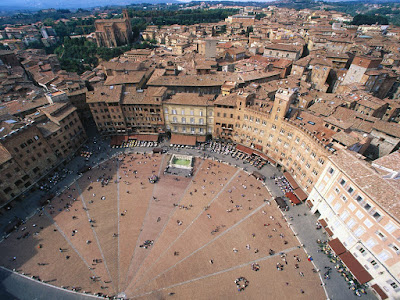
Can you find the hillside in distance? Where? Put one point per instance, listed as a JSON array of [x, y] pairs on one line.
[[69, 4]]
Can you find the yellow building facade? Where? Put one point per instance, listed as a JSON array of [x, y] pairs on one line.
[[187, 113]]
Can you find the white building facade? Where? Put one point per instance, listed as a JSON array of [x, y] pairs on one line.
[[361, 207]]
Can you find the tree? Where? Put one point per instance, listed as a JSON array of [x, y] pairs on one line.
[[35, 45], [361, 19], [260, 16], [48, 22], [223, 29], [248, 30]]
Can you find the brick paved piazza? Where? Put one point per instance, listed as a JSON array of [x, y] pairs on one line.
[[206, 232]]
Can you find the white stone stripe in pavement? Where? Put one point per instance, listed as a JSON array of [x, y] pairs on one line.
[[173, 210], [94, 233], [209, 242], [69, 242], [198, 216], [220, 272], [141, 228], [118, 216]]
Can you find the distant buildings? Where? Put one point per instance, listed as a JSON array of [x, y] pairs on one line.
[[114, 32], [208, 48]]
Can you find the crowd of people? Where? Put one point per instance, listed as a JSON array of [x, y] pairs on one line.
[[241, 283], [283, 184]]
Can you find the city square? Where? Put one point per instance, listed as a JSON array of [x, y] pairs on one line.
[[206, 231]]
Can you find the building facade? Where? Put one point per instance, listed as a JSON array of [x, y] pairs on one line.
[[27, 156], [359, 66], [62, 129], [189, 114], [126, 110], [114, 32], [30, 149], [357, 201]]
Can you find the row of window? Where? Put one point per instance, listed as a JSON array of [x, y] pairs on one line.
[[151, 110], [278, 54], [140, 118], [192, 130], [251, 119], [192, 120], [297, 140], [225, 115], [8, 189], [183, 112], [296, 166], [360, 230], [350, 190], [28, 142]]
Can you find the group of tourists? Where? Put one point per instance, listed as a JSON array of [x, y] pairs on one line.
[[241, 283]]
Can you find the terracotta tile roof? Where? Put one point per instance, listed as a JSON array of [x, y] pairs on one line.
[[345, 138], [229, 85], [201, 65], [303, 62], [58, 111], [390, 128], [257, 75], [371, 102], [391, 162], [48, 128], [190, 99], [157, 91], [327, 105], [347, 118], [131, 78], [145, 52], [147, 96], [193, 80], [19, 106], [228, 100], [104, 94], [310, 121], [371, 182], [281, 63], [76, 92], [321, 61], [118, 66], [284, 47]]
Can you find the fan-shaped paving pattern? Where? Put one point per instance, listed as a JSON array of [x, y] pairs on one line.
[[207, 231]]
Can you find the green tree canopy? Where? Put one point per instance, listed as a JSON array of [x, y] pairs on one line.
[[361, 19]]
